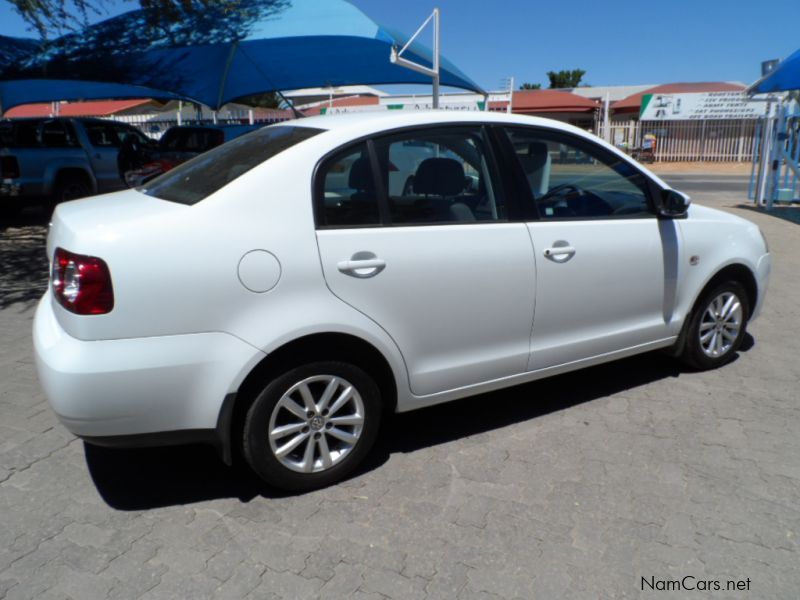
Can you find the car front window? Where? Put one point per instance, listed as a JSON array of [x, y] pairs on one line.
[[200, 177], [571, 178]]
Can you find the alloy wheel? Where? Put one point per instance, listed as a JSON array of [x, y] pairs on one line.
[[720, 324], [316, 423]]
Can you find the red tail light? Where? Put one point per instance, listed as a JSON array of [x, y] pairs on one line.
[[82, 284], [9, 167]]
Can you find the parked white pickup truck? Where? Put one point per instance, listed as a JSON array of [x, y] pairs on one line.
[[50, 160]]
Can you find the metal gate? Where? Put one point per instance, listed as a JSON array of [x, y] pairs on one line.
[[705, 141]]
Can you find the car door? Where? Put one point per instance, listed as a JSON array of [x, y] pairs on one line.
[[606, 266], [413, 232], [103, 151]]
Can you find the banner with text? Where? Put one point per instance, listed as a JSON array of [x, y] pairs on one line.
[[700, 106]]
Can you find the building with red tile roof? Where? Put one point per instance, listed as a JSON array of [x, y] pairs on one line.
[[316, 108], [93, 108], [546, 101]]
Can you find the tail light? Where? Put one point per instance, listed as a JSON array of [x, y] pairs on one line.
[[9, 167], [82, 284]]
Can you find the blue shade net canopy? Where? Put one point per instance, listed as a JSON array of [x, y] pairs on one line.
[[221, 53], [784, 78]]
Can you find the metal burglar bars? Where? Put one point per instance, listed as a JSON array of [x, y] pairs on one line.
[[155, 127], [775, 173], [701, 140]]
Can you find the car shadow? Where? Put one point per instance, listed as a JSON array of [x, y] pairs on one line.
[[787, 212], [137, 479], [23, 277]]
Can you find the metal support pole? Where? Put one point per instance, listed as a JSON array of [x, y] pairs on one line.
[[775, 154], [510, 94], [606, 128], [763, 171], [396, 56], [436, 58], [180, 110], [754, 175]]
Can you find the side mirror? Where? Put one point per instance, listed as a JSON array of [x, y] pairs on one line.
[[673, 204]]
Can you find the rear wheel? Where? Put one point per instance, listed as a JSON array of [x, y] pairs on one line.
[[312, 426], [70, 187], [717, 326], [10, 208]]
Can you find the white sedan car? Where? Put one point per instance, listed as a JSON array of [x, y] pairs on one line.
[[281, 293]]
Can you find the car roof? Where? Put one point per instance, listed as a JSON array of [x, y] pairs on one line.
[[372, 122], [339, 129]]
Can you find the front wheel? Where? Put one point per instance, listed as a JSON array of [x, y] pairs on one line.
[[312, 426], [717, 326]]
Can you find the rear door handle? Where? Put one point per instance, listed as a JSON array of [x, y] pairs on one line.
[[362, 268]]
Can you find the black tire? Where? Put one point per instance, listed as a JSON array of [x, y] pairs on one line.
[[70, 187], [258, 450], [694, 353]]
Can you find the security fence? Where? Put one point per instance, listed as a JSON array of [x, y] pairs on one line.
[[154, 126], [701, 140]]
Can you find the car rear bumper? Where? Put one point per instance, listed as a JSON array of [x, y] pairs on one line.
[[140, 391]]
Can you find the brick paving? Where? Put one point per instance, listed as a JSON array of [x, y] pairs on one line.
[[574, 487]]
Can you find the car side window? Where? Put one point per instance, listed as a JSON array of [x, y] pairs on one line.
[[438, 176], [55, 134], [570, 178], [124, 131], [349, 195], [101, 135]]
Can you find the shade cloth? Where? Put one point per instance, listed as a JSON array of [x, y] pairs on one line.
[[213, 56]]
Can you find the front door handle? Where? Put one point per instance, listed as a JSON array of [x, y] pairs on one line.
[[362, 266], [559, 250]]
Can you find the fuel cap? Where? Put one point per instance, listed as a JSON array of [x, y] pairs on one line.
[[259, 271]]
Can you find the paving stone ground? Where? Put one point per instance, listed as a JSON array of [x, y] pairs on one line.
[[573, 487]]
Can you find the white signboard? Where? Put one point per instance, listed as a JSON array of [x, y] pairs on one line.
[[461, 106], [700, 106]]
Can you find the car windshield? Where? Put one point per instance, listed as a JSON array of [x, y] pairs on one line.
[[200, 177]]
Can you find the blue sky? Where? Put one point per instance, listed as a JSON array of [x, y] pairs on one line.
[[617, 43]]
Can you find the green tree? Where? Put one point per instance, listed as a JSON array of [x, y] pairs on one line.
[[565, 79], [530, 86], [48, 17]]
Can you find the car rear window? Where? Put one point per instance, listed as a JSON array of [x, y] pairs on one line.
[[200, 177]]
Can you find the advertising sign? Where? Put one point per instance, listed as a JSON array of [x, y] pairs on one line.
[[461, 106], [700, 106]]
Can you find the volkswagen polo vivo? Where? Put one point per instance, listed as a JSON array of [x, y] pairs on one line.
[[282, 293]]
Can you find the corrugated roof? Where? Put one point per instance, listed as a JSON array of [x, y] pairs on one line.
[[340, 102], [546, 101], [74, 109], [634, 101]]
